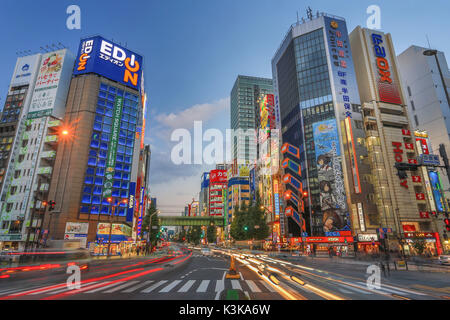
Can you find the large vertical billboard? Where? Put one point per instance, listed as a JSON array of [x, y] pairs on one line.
[[330, 177], [217, 185], [52, 85], [437, 191], [382, 64], [343, 78], [110, 60]]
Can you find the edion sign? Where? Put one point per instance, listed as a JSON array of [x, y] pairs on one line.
[[97, 55]]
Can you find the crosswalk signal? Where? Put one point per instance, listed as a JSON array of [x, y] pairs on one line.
[[245, 228]]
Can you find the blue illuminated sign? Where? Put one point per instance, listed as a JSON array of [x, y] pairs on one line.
[[131, 201], [105, 58]]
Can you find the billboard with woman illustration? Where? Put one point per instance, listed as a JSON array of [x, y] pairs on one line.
[[330, 177]]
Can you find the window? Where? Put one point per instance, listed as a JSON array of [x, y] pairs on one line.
[[409, 89], [415, 120], [412, 106]]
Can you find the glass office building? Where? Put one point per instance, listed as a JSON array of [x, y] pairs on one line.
[[317, 109]]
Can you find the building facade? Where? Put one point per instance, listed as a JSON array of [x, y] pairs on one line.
[[26, 189], [244, 97], [105, 112], [426, 97], [402, 202], [317, 109]]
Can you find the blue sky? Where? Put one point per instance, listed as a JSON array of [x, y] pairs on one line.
[[193, 51]]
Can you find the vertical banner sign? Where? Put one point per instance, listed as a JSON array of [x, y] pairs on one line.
[[131, 201], [330, 176], [112, 150]]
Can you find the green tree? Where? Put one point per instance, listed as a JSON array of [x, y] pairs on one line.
[[238, 225], [155, 224], [194, 235], [419, 245], [211, 233], [249, 223]]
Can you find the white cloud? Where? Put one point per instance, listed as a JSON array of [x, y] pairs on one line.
[[186, 117]]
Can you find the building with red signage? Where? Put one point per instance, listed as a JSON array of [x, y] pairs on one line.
[[404, 203], [217, 186]]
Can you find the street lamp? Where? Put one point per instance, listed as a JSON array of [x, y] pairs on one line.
[[110, 199]]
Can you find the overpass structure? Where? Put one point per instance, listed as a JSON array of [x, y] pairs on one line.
[[190, 221]]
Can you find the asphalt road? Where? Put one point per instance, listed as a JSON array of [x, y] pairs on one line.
[[184, 274]]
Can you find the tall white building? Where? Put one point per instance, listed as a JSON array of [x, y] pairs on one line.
[[427, 99]]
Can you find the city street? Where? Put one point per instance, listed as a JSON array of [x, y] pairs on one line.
[[178, 273]]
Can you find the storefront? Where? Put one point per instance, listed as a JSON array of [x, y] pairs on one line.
[[427, 242], [368, 243], [324, 246], [119, 240]]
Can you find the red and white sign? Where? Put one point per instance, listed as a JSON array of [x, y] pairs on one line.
[[424, 143], [424, 215], [416, 179], [420, 196], [218, 176]]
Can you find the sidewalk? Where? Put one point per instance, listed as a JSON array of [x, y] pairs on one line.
[[412, 266]]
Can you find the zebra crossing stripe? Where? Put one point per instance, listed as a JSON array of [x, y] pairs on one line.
[[170, 286], [104, 287], [140, 285], [187, 286], [268, 286], [236, 285], [220, 285], [123, 286], [153, 287], [354, 289], [253, 286], [67, 289], [396, 290], [203, 286]]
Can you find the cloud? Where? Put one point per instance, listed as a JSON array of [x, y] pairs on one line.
[[186, 117]]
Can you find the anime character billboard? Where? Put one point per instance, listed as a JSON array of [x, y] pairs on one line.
[[330, 177]]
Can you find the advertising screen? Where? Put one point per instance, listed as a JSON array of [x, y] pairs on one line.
[[108, 59], [131, 201], [436, 187], [330, 176], [52, 85]]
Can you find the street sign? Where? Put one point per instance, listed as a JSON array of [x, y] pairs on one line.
[[429, 159]]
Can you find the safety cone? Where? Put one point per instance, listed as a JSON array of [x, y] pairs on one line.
[[232, 273]]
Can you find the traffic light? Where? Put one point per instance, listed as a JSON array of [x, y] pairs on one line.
[[447, 224], [51, 205], [245, 228]]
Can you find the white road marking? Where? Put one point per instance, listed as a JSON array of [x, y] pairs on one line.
[[67, 289], [252, 286], [354, 289], [140, 285], [187, 286], [220, 285], [153, 287], [203, 286], [123, 286], [104, 287], [170, 286], [236, 285]]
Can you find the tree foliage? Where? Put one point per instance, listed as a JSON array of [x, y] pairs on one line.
[[249, 223], [194, 234], [155, 223], [211, 233]]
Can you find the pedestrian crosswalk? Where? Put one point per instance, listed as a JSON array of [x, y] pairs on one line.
[[166, 286], [208, 256]]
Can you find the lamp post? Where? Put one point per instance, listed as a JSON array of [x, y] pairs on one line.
[[110, 199]]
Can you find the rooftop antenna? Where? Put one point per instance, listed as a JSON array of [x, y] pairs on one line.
[[428, 40], [309, 13], [298, 21]]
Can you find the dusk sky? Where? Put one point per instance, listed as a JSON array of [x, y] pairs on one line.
[[193, 51]]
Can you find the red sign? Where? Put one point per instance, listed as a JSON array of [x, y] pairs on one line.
[[218, 176], [412, 161], [424, 215], [416, 178], [398, 151], [406, 132], [424, 144], [409, 146], [419, 235], [420, 196], [329, 239]]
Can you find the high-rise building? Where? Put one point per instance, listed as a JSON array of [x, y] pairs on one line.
[[428, 102], [25, 191], [217, 187], [105, 112], [405, 203], [244, 97], [317, 109], [15, 110], [204, 194]]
